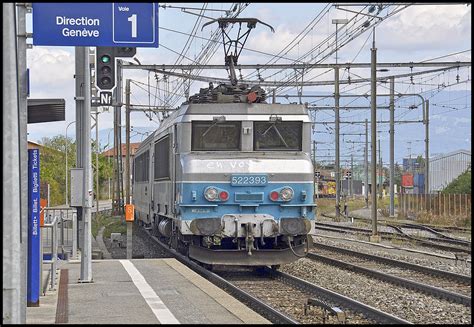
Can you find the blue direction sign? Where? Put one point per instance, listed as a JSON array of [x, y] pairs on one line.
[[96, 24]]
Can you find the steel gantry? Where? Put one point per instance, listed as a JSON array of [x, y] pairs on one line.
[[164, 69]]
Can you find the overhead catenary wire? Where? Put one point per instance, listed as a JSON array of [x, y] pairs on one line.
[[350, 38]]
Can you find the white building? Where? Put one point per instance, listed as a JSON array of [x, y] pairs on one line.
[[447, 167]]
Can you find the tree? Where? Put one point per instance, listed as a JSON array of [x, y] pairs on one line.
[[420, 163], [460, 185], [53, 166], [105, 169]]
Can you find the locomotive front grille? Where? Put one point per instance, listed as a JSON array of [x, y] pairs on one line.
[[257, 197]]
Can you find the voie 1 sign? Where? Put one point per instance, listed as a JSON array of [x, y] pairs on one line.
[[96, 24]]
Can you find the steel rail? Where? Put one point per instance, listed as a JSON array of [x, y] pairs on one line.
[[269, 312], [434, 227], [429, 241], [398, 263], [255, 304], [442, 238], [406, 283], [434, 231], [345, 301]]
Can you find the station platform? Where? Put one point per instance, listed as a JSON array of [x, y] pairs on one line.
[[138, 291]]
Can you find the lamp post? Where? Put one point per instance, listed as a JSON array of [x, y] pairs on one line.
[[67, 201]]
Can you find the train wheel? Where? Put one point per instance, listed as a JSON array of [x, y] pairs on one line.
[[154, 230]]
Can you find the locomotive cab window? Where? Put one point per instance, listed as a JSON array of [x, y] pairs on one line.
[[277, 135], [215, 135], [141, 167], [162, 158]]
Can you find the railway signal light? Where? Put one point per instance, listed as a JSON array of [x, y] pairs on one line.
[[105, 68], [105, 64], [125, 51]]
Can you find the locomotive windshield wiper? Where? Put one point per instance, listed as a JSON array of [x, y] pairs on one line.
[[209, 128], [273, 124], [216, 121]]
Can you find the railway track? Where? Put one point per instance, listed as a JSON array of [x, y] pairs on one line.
[[416, 307], [257, 305], [319, 300], [415, 225], [432, 242], [436, 232], [291, 295], [444, 285]]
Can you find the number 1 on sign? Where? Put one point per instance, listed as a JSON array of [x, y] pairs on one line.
[[133, 20]]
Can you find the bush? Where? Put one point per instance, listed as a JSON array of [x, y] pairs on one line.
[[461, 185], [115, 227]]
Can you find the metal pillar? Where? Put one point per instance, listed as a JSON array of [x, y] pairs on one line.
[[392, 146], [79, 98], [127, 137], [12, 231], [83, 136], [351, 190], [129, 239], [315, 189], [121, 172], [67, 190], [116, 196], [127, 167], [118, 142], [380, 172], [23, 121], [97, 163], [366, 165], [336, 110], [74, 235], [373, 124], [427, 145]]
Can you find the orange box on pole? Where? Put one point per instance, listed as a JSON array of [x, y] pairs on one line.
[[129, 212], [43, 204]]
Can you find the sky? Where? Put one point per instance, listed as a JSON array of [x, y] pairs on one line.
[[416, 33]]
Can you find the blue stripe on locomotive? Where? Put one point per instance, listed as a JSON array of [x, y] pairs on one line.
[[190, 209]]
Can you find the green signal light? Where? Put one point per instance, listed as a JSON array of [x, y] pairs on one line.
[[105, 59]]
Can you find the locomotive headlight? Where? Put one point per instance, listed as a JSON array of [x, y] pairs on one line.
[[211, 194], [286, 194]]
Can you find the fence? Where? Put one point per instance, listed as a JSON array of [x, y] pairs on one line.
[[435, 204], [58, 238]]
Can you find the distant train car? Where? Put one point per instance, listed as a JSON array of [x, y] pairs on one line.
[[327, 189], [228, 179]]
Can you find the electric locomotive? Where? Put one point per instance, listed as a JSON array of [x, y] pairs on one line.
[[227, 179]]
